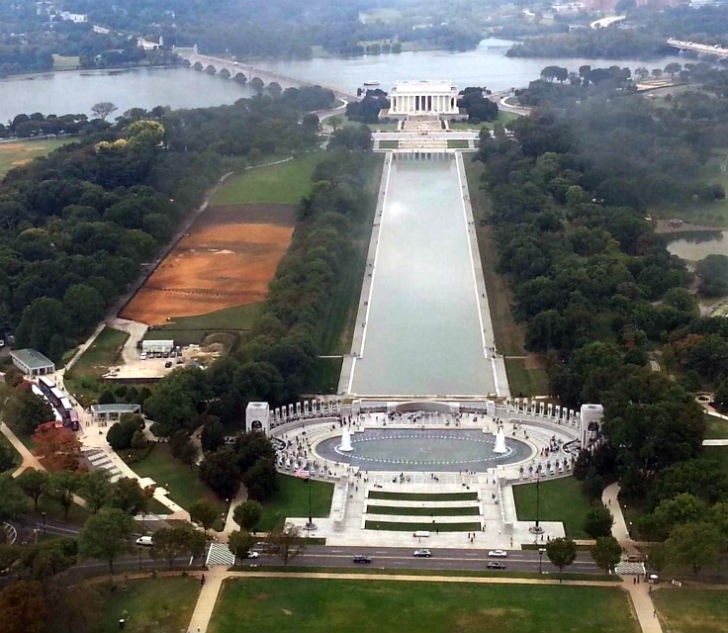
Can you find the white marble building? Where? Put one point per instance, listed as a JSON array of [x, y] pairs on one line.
[[412, 98]]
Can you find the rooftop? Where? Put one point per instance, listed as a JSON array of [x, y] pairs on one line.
[[116, 407], [31, 358], [424, 85]]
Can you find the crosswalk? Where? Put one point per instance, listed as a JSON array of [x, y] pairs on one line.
[[626, 569], [99, 458], [220, 554]]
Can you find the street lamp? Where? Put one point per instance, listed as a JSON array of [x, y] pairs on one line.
[[541, 550]]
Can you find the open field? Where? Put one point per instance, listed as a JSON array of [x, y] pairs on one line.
[[504, 118], [716, 428], [180, 480], [65, 62], [692, 610], [83, 379], [227, 259], [296, 605], [194, 329], [285, 183], [291, 500], [16, 154], [149, 606], [559, 500]]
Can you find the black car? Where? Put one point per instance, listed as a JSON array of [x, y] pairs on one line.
[[494, 564], [362, 559]]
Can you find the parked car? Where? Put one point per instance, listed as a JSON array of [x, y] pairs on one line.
[[495, 565], [497, 553], [145, 541], [168, 364], [422, 553], [362, 559], [252, 555]]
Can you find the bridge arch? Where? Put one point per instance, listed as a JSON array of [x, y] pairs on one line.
[[224, 73], [210, 70], [197, 66], [240, 78]]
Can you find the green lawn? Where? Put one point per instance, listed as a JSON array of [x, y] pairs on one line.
[[559, 500], [193, 329], [65, 62], [285, 183], [528, 382], [715, 428], [457, 144], [432, 526], [692, 610], [719, 453], [181, 481], [20, 152], [503, 117], [421, 512], [153, 605], [321, 606], [5, 443], [423, 496], [388, 144], [104, 352], [291, 500]]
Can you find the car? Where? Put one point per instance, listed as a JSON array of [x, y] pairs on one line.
[[180, 360], [362, 559], [497, 553], [422, 553], [143, 356], [495, 565], [145, 541], [252, 555], [263, 546], [168, 364], [634, 558]]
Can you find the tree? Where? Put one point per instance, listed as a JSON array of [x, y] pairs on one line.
[[121, 433], [95, 488], [171, 543], [219, 470], [240, 543], [204, 512], [287, 542], [598, 522], [212, 436], [127, 495], [24, 411], [33, 483], [606, 552], [58, 448], [247, 515], [183, 448], [24, 607], [106, 535], [12, 501], [62, 487], [103, 109], [261, 480], [7, 457], [695, 545], [561, 553]]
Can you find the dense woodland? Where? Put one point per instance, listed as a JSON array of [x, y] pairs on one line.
[[597, 290]]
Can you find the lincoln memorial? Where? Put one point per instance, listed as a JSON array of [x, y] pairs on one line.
[[412, 98]]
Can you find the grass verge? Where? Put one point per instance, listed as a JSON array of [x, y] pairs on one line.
[[388, 144], [150, 605], [559, 500], [526, 382], [284, 183], [180, 480], [291, 500], [457, 144], [692, 610], [312, 605], [431, 526], [83, 378], [407, 511], [424, 496], [715, 428]]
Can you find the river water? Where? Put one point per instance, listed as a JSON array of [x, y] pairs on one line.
[[423, 331], [76, 92]]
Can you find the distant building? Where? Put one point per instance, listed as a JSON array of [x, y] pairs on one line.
[[161, 345], [113, 412], [76, 18], [32, 362], [423, 97]]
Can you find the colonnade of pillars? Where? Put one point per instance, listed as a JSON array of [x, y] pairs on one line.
[[423, 103]]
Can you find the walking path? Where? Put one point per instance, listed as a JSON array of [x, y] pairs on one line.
[[640, 592]]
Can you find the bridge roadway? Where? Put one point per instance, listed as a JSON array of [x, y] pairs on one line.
[[703, 49], [250, 71]]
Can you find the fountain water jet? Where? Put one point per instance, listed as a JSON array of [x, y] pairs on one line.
[[500, 442], [346, 441]]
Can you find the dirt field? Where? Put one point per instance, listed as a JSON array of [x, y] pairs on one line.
[[22, 152], [227, 259]]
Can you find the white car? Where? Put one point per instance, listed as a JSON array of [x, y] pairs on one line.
[[252, 555], [146, 541], [497, 553]]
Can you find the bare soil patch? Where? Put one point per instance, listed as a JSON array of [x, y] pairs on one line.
[[227, 259]]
